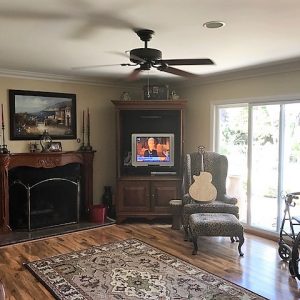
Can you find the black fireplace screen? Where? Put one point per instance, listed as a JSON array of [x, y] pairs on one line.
[[40, 198]]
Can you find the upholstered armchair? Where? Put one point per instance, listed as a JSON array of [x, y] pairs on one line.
[[217, 165]]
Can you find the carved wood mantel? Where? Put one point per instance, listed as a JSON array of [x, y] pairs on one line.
[[43, 160]]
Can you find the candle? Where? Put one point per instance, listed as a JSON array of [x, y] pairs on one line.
[[2, 116], [88, 120], [83, 121]]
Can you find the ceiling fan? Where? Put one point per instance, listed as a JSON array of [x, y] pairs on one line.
[[148, 58]]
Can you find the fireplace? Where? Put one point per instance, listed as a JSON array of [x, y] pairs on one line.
[[42, 198], [20, 171]]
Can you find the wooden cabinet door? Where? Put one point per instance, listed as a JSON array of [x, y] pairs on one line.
[[161, 194], [133, 196]]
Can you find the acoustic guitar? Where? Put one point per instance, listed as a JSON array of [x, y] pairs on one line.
[[202, 189]]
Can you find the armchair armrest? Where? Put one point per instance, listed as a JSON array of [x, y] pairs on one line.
[[229, 200], [187, 199]]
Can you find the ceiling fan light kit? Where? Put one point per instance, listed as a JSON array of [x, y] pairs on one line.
[[143, 55]]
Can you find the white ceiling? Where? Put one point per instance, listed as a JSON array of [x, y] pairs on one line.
[[56, 36]]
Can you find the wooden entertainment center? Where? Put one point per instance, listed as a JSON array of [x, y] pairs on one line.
[[146, 191]]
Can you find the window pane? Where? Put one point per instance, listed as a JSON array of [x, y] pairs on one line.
[[264, 171], [291, 153], [232, 142]]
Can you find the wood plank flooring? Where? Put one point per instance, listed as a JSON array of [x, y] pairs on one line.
[[260, 270]]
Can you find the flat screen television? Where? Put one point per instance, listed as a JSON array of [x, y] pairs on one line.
[[152, 149]]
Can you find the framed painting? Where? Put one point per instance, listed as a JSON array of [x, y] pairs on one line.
[[33, 112]]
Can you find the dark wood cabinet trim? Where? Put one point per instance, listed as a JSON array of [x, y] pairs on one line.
[[156, 187]]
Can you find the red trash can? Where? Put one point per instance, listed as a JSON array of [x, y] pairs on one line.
[[98, 213]]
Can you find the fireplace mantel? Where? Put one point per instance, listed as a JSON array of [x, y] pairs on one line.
[[43, 160]]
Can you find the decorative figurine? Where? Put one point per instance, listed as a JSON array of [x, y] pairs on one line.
[[45, 141], [33, 147], [125, 96], [174, 96]]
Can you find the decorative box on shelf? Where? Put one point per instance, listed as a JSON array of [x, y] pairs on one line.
[[156, 92]]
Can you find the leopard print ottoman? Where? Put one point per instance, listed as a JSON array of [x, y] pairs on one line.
[[215, 224]]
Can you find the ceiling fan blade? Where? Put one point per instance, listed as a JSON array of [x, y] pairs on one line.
[[127, 55], [99, 66], [134, 74], [32, 15], [188, 61], [119, 53], [176, 71], [97, 21]]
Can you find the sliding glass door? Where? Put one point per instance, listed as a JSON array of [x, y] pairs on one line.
[[291, 152], [262, 144], [232, 140], [264, 157]]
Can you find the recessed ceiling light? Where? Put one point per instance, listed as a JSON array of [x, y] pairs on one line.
[[214, 24]]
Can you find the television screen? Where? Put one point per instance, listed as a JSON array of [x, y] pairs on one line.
[[153, 149]]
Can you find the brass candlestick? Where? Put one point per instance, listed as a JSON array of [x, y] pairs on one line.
[[3, 147], [82, 147], [88, 146]]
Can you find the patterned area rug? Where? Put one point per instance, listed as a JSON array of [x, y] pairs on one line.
[[130, 269]]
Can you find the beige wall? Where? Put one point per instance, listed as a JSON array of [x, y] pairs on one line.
[[198, 113], [97, 98], [197, 117]]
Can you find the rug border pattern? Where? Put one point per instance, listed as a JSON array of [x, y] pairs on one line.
[[39, 276]]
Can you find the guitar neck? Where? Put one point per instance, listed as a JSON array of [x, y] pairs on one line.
[[201, 152]]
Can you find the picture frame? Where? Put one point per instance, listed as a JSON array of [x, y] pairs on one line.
[[55, 147], [156, 92], [33, 112]]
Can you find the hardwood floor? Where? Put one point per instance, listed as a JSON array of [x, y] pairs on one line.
[[260, 270]]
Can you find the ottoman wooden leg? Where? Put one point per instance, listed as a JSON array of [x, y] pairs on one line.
[[176, 222], [194, 240], [186, 232], [241, 242]]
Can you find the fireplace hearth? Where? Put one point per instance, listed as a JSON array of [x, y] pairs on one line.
[[23, 235], [45, 165]]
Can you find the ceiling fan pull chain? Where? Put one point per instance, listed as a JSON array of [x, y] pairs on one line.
[[148, 87]]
